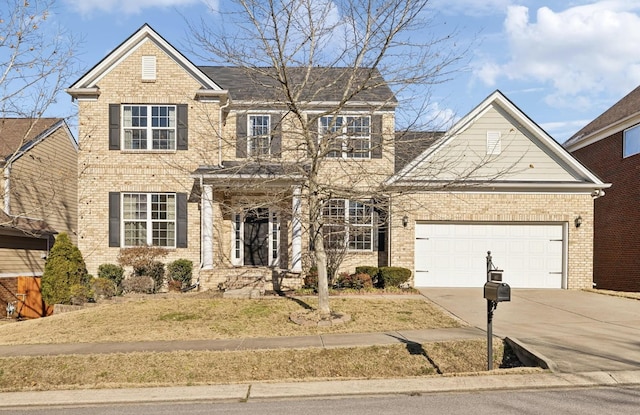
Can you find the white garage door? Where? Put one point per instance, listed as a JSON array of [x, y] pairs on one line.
[[454, 255]]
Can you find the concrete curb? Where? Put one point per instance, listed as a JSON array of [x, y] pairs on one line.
[[529, 356], [325, 389]]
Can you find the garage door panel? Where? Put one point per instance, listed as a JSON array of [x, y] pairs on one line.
[[455, 255]]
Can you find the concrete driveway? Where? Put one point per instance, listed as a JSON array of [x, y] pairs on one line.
[[578, 331]]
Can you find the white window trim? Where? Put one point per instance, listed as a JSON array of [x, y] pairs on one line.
[[251, 136], [149, 128], [149, 220], [344, 138], [237, 237], [347, 225]]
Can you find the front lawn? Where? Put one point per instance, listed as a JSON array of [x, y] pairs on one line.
[[188, 317]]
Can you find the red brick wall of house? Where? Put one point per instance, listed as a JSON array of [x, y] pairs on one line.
[[617, 215]]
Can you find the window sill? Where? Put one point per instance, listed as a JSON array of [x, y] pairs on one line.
[[148, 151]]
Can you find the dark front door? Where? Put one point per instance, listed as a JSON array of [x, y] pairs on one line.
[[256, 237]]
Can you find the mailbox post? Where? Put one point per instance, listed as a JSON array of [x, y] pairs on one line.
[[495, 291]]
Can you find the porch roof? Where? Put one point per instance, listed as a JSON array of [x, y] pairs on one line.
[[35, 228], [244, 172]]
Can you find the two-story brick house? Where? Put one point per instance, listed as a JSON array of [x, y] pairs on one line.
[[610, 146], [214, 163]]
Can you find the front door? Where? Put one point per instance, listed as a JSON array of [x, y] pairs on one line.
[[256, 237]]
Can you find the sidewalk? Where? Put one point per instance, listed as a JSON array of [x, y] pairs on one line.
[[252, 343]]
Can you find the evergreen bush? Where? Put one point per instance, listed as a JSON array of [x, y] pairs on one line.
[[114, 273], [393, 276], [181, 270], [63, 269]]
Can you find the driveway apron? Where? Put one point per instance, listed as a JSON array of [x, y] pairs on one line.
[[579, 331]]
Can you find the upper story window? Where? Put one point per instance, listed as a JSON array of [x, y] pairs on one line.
[[149, 127], [149, 219], [631, 141], [348, 222], [259, 136], [349, 136]]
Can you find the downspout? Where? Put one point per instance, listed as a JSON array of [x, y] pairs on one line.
[[222, 108], [7, 188]]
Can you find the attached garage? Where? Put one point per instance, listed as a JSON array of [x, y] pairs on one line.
[[454, 254]]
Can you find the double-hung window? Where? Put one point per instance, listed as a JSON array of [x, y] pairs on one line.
[[149, 127], [149, 219], [259, 137], [348, 222], [348, 136]]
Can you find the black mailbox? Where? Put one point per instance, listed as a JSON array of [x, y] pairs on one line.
[[497, 291]]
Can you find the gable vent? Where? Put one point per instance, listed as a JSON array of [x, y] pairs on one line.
[[148, 68], [494, 144]]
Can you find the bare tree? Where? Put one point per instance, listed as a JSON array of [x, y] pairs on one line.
[[36, 61], [357, 50]]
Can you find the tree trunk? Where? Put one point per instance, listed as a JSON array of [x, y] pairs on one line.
[[319, 254]]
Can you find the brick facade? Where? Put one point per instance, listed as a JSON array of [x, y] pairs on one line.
[[498, 208], [617, 217]]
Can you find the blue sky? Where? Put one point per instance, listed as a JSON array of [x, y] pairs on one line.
[[561, 62]]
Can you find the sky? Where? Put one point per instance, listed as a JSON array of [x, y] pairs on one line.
[[562, 63]]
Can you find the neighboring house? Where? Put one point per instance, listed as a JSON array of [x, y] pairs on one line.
[[610, 146], [210, 163], [39, 193]]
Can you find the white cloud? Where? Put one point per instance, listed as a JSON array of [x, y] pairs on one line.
[[90, 7], [582, 51]]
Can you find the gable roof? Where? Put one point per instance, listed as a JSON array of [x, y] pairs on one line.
[[585, 180], [18, 135], [622, 115], [324, 84], [88, 83]]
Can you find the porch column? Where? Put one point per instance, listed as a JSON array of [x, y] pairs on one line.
[[207, 227], [296, 231]]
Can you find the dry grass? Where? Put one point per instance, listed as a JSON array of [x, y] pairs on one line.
[[191, 368], [192, 318]]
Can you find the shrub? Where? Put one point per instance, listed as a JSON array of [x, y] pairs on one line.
[[138, 284], [104, 287], [80, 293], [64, 268], [141, 258], [311, 279], [367, 269], [393, 276], [156, 272], [113, 273], [174, 285], [354, 281], [180, 270], [371, 271]]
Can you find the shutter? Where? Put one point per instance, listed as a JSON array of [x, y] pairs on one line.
[[114, 127], [241, 135], [183, 127], [181, 220], [114, 219], [376, 136], [276, 135]]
